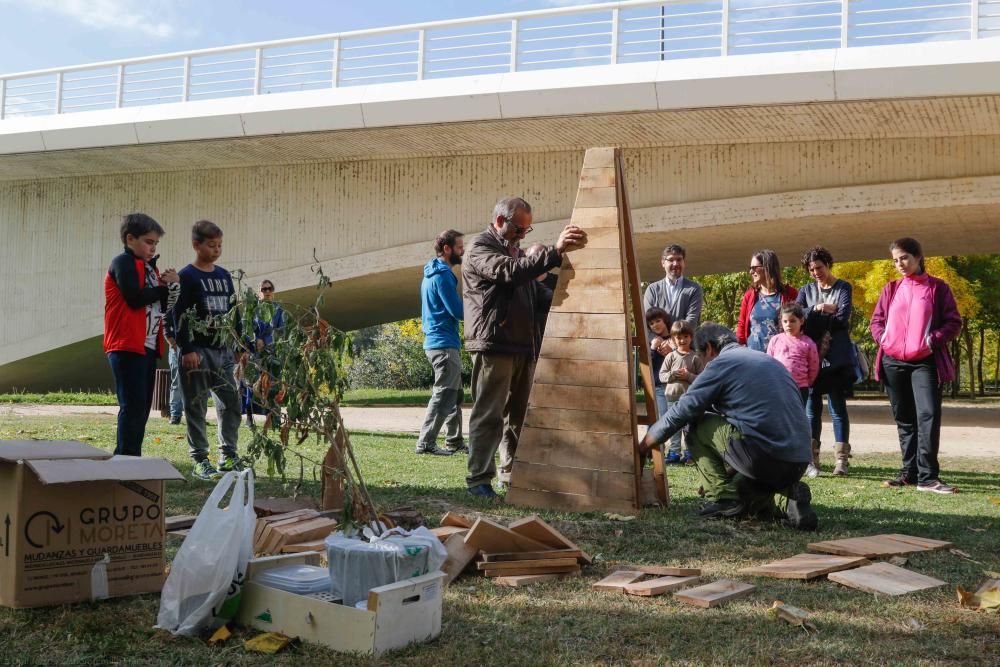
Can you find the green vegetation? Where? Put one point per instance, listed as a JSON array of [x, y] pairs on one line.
[[566, 622]]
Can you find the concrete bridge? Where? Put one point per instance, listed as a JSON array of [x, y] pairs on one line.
[[751, 145]]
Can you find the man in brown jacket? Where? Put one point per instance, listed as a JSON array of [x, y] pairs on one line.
[[500, 313]]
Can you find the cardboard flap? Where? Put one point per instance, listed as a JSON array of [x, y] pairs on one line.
[[33, 450], [117, 468]]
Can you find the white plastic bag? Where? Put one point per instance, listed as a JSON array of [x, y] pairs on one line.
[[203, 590]]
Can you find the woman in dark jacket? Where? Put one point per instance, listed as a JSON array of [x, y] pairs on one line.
[[828, 305], [760, 309]]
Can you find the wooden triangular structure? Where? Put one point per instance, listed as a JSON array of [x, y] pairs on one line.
[[577, 446]]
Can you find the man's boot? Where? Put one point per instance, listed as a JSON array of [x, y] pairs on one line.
[[812, 470], [843, 452], [799, 513]]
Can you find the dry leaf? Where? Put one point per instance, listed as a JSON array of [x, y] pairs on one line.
[[913, 625], [987, 598], [978, 530], [220, 636], [966, 556], [995, 501], [619, 517], [793, 615]]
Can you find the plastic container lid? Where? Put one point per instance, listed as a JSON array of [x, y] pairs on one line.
[[300, 579]]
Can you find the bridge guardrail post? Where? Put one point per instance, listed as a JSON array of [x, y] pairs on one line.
[[421, 39], [974, 19], [258, 69], [186, 84], [615, 29], [336, 62], [3, 98], [514, 24], [120, 87], [725, 29], [845, 16], [59, 92]]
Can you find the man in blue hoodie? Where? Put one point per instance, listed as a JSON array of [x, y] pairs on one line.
[[440, 311]]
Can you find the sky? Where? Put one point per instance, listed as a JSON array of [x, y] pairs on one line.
[[39, 34]]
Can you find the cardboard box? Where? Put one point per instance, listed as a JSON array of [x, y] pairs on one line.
[[63, 507], [399, 614]]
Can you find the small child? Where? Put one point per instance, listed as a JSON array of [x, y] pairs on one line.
[[658, 322], [136, 295], [680, 368], [206, 366], [796, 351]]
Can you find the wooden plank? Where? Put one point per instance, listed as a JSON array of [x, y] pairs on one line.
[[589, 218], [264, 522], [597, 158], [597, 451], [588, 301], [581, 481], [805, 566], [658, 586], [491, 537], [664, 570], [510, 572], [527, 564], [537, 529], [583, 349], [597, 177], [517, 581], [885, 578], [566, 501], [180, 522], [596, 197], [271, 506], [617, 581], [591, 278], [301, 532], [869, 547], [582, 374], [588, 421], [318, 546], [925, 542], [454, 519], [595, 399], [603, 237], [460, 555], [444, 532], [594, 258], [715, 594], [586, 325], [532, 555], [272, 522]]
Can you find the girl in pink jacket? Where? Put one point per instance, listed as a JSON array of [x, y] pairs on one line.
[[796, 351], [915, 319]]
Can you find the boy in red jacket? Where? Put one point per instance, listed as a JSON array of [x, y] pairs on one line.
[[136, 296]]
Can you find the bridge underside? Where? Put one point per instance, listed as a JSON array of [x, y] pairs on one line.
[[367, 203]]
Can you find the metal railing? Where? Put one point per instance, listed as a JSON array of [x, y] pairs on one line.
[[600, 34]]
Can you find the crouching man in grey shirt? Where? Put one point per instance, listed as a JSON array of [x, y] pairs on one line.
[[748, 434]]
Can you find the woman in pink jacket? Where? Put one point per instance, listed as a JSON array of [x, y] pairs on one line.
[[915, 319]]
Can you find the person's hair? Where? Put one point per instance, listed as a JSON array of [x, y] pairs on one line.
[[673, 249], [795, 309], [446, 238], [681, 328], [534, 249], [910, 246], [138, 224], [657, 314], [714, 334], [204, 230], [266, 281], [508, 207], [817, 254], [772, 267]]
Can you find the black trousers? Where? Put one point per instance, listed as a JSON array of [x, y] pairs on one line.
[[915, 395], [134, 376], [769, 475]]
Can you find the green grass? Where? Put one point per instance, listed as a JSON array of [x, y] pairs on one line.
[[567, 623]]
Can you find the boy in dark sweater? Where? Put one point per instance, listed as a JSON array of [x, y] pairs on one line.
[[207, 367]]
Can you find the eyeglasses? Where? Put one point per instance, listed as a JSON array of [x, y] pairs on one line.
[[266, 289], [756, 267], [520, 231]]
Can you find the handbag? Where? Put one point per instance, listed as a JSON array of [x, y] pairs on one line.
[[862, 369]]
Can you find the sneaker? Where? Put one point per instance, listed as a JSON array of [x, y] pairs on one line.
[[205, 470], [936, 486], [461, 449], [721, 508], [897, 482], [231, 463], [672, 457], [812, 472], [799, 513], [174, 421], [434, 452], [686, 458], [483, 491]]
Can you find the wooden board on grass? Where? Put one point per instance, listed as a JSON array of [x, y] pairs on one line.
[[616, 581], [562, 569], [517, 581], [526, 564], [715, 594], [456, 520], [885, 578], [271, 506], [533, 555], [873, 546], [658, 586], [460, 555], [537, 529], [179, 522], [664, 570], [925, 542], [805, 566], [489, 536]]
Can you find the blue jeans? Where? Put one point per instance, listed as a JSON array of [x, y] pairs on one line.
[[837, 402], [662, 405], [134, 376], [176, 400]]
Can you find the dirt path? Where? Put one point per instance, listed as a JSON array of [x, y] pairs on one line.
[[966, 430]]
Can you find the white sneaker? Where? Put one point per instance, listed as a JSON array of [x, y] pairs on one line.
[[812, 472]]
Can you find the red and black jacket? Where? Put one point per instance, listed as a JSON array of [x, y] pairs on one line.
[[125, 301]]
